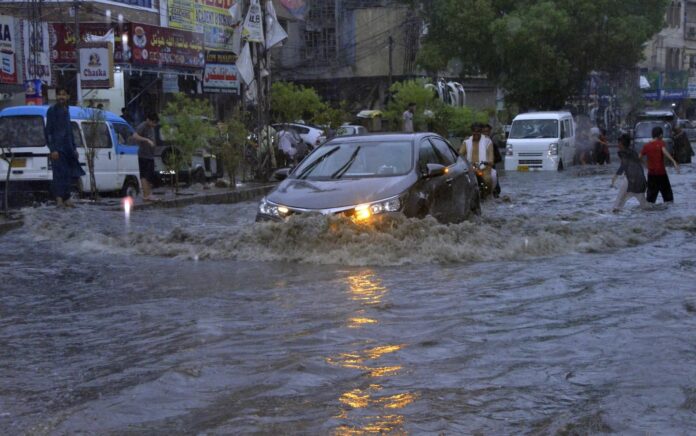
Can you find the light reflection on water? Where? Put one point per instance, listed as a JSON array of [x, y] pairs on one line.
[[370, 409]]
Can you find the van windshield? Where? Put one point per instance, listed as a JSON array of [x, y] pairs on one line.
[[22, 131], [528, 129], [644, 129]]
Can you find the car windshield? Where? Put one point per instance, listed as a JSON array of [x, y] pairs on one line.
[[357, 159], [22, 131], [528, 129], [644, 129]]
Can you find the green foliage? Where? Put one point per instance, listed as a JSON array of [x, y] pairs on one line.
[[456, 121], [333, 117], [229, 144], [186, 123], [291, 102], [540, 52]]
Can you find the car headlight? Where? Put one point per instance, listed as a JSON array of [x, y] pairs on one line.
[[508, 150], [365, 211], [272, 209], [553, 149]]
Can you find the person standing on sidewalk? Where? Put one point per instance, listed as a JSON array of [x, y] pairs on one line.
[[61, 143], [407, 117], [146, 136], [658, 181]]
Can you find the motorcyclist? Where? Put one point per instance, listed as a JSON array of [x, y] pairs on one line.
[[478, 149]]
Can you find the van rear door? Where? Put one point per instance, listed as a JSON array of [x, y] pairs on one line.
[[23, 136]]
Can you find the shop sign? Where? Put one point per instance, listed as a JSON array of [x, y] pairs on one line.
[[8, 59], [139, 3], [37, 64], [212, 18], [170, 84], [221, 78], [253, 24], [63, 40], [96, 65], [161, 46]]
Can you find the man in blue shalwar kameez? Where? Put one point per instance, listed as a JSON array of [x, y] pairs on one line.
[[61, 143]]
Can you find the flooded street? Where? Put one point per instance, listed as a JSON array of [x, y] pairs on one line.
[[548, 315]]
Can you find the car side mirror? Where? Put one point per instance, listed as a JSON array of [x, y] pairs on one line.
[[434, 170], [282, 173]]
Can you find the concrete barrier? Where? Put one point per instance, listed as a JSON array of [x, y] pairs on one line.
[[231, 196]]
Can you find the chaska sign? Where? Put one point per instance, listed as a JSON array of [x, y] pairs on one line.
[[97, 65]]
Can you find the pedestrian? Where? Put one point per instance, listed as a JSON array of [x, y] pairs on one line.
[[497, 157], [126, 116], [601, 148], [145, 135], [65, 161], [658, 181], [632, 183], [408, 117], [682, 146]]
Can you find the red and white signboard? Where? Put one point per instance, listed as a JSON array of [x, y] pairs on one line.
[[8, 59], [221, 78], [97, 65]]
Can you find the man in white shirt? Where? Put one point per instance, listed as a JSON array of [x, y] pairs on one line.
[[408, 117], [285, 144]]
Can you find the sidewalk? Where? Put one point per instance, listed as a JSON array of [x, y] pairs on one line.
[[201, 195]]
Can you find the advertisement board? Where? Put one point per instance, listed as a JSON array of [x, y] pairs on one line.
[[162, 46], [8, 50], [63, 40], [96, 65], [37, 63], [212, 18]]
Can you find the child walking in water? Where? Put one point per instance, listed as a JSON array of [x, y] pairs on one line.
[[632, 183]]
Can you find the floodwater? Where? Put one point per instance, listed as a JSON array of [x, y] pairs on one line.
[[550, 315]]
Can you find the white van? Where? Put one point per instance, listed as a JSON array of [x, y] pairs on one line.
[[540, 141], [116, 159]]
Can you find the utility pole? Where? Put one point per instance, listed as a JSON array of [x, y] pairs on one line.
[[391, 49], [76, 8]]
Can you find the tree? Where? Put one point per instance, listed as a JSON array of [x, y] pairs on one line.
[[291, 102], [230, 146], [540, 52], [186, 123], [7, 155], [94, 130]]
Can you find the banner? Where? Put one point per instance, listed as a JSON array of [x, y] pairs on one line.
[[212, 18], [253, 24], [32, 92], [221, 73], [37, 64], [275, 34], [63, 40], [162, 46], [8, 50], [97, 65]]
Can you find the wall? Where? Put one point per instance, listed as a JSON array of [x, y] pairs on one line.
[[373, 26]]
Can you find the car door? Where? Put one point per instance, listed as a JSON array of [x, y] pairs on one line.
[[436, 191], [457, 177], [567, 145], [97, 135]]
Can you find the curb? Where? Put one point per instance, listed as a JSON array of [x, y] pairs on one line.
[[6, 226], [235, 196]]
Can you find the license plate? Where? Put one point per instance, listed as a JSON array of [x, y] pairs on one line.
[[522, 168], [18, 163]]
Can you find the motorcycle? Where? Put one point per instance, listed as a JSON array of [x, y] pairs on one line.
[[484, 188]]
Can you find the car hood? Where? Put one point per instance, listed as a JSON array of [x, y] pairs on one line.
[[328, 194]]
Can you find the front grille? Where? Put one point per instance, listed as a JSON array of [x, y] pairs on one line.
[[531, 162], [530, 154]]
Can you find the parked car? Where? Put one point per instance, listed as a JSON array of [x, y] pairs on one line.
[[349, 130], [116, 156], [204, 165], [414, 174], [311, 135]]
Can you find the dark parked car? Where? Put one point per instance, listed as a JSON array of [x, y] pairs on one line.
[[415, 174]]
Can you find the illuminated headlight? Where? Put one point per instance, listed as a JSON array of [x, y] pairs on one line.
[[365, 211], [268, 208], [167, 172], [508, 150], [553, 149]]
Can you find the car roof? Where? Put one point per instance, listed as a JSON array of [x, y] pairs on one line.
[[393, 136], [542, 115], [76, 112]]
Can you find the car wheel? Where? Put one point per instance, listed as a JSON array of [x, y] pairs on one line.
[[130, 188], [198, 176], [476, 204]]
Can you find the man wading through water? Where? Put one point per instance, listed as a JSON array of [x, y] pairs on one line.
[[658, 181], [633, 183], [64, 158]]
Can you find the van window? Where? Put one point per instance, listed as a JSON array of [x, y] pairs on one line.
[[22, 131], [564, 130], [76, 135], [97, 135], [124, 134], [529, 129]]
